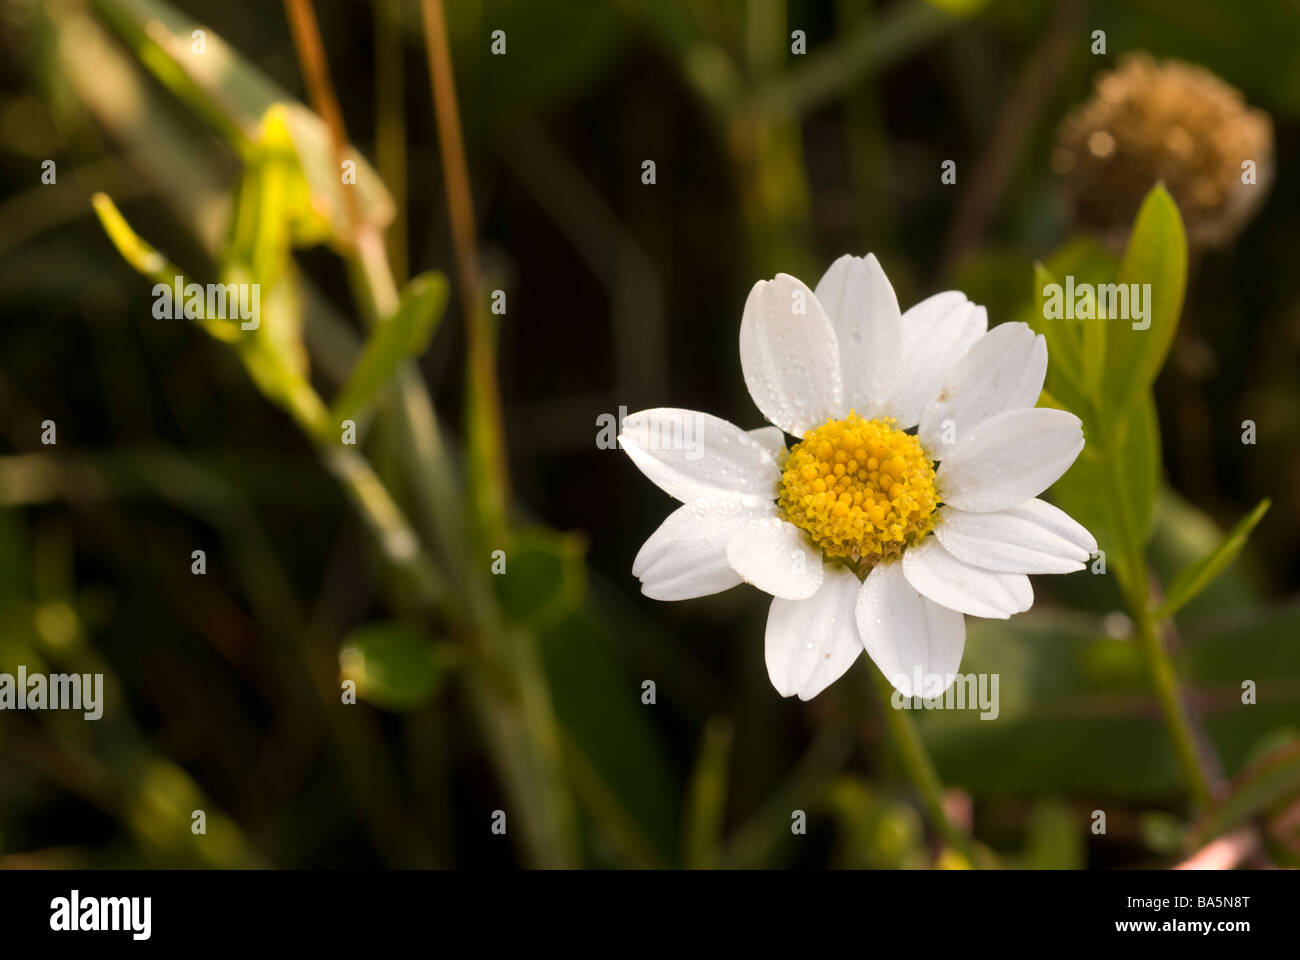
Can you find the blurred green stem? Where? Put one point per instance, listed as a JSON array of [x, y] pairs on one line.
[[871, 45], [707, 800], [767, 153], [485, 426], [1164, 680], [519, 723], [920, 769]]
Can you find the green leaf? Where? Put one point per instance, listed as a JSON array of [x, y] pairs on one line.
[[622, 770], [233, 96], [271, 370], [1156, 255], [392, 665], [1138, 466], [1064, 352], [874, 830], [1082, 491], [1263, 785], [1068, 698], [271, 215], [544, 578], [406, 334], [1195, 578], [146, 260], [1088, 262], [273, 210]]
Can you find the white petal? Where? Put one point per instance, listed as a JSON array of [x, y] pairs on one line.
[[771, 439], [687, 556], [1003, 370], [937, 333], [860, 301], [1009, 459], [906, 634], [1057, 521], [789, 356], [935, 573], [775, 557], [918, 318], [693, 455], [1006, 541], [810, 643]]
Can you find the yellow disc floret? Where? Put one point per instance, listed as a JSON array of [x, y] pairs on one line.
[[863, 489]]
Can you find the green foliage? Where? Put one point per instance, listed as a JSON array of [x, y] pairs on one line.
[[406, 334], [1077, 714], [876, 830], [1103, 370], [393, 666], [544, 579], [1156, 255], [1084, 494], [1197, 576], [1054, 839], [269, 364], [1266, 785], [553, 52], [229, 93], [707, 798]]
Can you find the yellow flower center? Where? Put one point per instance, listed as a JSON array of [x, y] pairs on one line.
[[863, 489]]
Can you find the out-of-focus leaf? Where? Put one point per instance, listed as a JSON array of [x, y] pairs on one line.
[[707, 798], [1195, 578], [1064, 352], [1055, 839], [623, 754], [1076, 713], [1082, 491], [1183, 534], [272, 208], [615, 760], [1264, 784], [392, 665], [152, 264], [272, 372], [406, 334], [1163, 833], [544, 577], [92, 69], [1156, 255], [234, 96], [552, 52], [1087, 262], [875, 830]]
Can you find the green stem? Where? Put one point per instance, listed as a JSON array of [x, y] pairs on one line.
[[1174, 708], [920, 770], [1160, 666]]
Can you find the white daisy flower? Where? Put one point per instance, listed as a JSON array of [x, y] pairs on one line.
[[908, 502]]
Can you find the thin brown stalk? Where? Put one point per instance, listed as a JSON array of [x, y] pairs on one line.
[[460, 204], [320, 89]]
